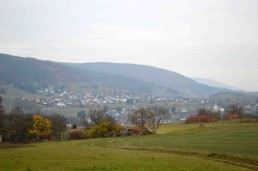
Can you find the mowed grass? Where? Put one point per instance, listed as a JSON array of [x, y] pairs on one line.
[[79, 155], [158, 153], [240, 139]]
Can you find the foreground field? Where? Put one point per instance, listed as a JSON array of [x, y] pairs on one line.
[[220, 146], [240, 139]]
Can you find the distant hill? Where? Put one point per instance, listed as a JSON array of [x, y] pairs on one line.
[[228, 98], [31, 74], [213, 83], [153, 75]]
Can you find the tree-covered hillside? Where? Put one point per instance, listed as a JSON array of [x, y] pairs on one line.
[[30, 74], [153, 75]]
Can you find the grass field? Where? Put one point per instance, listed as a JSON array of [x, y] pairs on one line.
[[219, 146], [231, 138]]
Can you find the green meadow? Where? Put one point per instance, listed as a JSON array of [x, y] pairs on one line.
[[219, 146]]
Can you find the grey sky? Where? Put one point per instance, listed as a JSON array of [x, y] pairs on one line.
[[214, 39]]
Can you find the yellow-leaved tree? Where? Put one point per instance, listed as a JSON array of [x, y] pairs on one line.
[[106, 128], [41, 127]]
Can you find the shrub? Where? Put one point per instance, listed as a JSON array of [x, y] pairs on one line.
[[105, 128], [232, 116], [204, 118], [138, 131], [77, 135], [44, 136]]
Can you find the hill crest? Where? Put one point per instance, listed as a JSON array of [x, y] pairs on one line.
[[30, 74]]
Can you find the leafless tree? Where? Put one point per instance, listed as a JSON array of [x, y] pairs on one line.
[[150, 118], [58, 124], [157, 116], [140, 118]]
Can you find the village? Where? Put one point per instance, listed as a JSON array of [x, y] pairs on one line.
[[64, 97], [126, 103]]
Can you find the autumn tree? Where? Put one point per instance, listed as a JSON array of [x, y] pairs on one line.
[[102, 125], [41, 127], [203, 116], [106, 128]]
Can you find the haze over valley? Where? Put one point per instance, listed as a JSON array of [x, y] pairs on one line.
[[212, 40], [53, 84], [128, 85]]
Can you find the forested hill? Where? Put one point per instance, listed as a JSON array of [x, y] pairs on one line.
[[153, 75], [31, 74]]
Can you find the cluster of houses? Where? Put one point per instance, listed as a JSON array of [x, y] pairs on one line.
[[64, 97], [178, 113]]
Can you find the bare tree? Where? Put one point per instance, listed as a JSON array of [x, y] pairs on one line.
[[150, 118], [140, 118], [96, 116], [157, 116], [16, 125], [58, 124], [236, 109]]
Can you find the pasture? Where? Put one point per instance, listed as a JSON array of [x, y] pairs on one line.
[[219, 146]]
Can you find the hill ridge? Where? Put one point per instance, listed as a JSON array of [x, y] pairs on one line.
[[30, 73]]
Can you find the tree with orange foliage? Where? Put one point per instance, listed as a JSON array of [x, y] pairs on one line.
[[106, 128], [41, 127]]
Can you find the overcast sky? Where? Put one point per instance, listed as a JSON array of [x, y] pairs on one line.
[[215, 39]]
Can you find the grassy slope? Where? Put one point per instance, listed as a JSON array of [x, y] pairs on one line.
[[234, 138], [78, 155], [231, 138]]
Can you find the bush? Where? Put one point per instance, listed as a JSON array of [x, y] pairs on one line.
[[205, 118], [138, 131], [77, 135], [105, 128], [231, 116], [44, 136]]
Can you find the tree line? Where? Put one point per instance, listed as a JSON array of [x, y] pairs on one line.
[[18, 126], [98, 124], [234, 111]]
